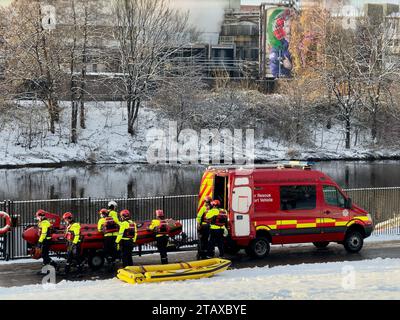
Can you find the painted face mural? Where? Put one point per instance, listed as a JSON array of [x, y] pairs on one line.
[[278, 33]]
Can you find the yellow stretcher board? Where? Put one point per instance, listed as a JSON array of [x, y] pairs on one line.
[[173, 272]]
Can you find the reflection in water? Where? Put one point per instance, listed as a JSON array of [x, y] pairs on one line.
[[363, 174], [115, 181]]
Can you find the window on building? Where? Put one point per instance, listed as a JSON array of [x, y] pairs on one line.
[[298, 197], [333, 197]]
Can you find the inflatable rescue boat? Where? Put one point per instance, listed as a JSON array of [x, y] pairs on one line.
[[173, 272], [91, 239]]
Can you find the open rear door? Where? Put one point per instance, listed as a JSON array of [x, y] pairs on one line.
[[206, 188], [242, 205]]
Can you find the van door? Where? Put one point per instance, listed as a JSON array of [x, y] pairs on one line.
[[242, 205], [299, 214], [334, 214]]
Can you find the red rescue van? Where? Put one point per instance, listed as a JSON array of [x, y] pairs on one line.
[[284, 203]]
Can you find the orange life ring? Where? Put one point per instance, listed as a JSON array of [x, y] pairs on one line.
[[7, 227]]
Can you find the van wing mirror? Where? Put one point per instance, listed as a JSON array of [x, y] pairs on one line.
[[348, 204]]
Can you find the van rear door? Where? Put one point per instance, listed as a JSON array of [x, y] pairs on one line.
[[206, 188], [242, 205]]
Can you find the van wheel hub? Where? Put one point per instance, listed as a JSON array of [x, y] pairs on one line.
[[354, 242], [261, 247]]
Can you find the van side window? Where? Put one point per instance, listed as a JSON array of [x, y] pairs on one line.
[[298, 197], [333, 197]]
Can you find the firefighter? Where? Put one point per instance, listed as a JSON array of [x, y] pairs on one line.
[[109, 227], [126, 237], [73, 236], [112, 207], [160, 227], [45, 230], [218, 220], [203, 228]]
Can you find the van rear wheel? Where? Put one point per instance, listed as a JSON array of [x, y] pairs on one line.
[[258, 248], [321, 245], [353, 241]]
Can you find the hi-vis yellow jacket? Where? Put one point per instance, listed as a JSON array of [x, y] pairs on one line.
[[202, 211], [114, 215], [210, 215], [124, 225], [154, 224], [102, 221], [75, 230], [44, 227]]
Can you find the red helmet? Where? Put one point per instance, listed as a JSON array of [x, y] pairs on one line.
[[40, 213], [103, 212], [208, 199], [216, 203], [125, 214], [159, 213], [68, 216]]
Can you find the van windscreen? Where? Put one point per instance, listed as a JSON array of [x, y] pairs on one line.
[[298, 197]]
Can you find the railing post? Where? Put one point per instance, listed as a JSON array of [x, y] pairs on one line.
[[88, 214], [9, 252]]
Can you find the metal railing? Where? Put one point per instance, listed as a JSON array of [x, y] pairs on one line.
[[86, 210], [384, 206], [382, 203]]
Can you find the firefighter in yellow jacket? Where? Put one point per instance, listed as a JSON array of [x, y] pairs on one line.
[[203, 228], [109, 226], [112, 210], [73, 236], [45, 230], [126, 237], [218, 220], [160, 227]]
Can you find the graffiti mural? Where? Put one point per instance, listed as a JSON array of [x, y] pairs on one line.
[[278, 40]]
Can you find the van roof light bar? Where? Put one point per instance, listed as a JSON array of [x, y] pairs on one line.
[[305, 165]]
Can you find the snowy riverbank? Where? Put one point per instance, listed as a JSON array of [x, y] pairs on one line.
[[362, 280], [105, 141]]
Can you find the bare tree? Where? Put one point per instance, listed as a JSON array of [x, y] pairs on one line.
[[378, 70], [149, 33], [79, 34], [33, 56]]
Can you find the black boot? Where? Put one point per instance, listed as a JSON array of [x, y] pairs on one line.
[[164, 260]]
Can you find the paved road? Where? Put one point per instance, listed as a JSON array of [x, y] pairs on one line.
[[25, 274]]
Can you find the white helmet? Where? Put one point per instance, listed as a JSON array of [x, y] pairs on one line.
[[113, 204]]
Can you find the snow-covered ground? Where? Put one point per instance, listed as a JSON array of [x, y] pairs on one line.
[[362, 280], [106, 140]]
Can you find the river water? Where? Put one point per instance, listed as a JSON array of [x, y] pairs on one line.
[[115, 181]]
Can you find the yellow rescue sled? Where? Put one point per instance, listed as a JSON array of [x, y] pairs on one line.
[[173, 272]]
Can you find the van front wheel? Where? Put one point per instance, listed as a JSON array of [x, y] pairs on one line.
[[258, 248], [353, 242]]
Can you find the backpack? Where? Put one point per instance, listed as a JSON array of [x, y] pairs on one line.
[[130, 233], [221, 219], [163, 228], [110, 226]]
